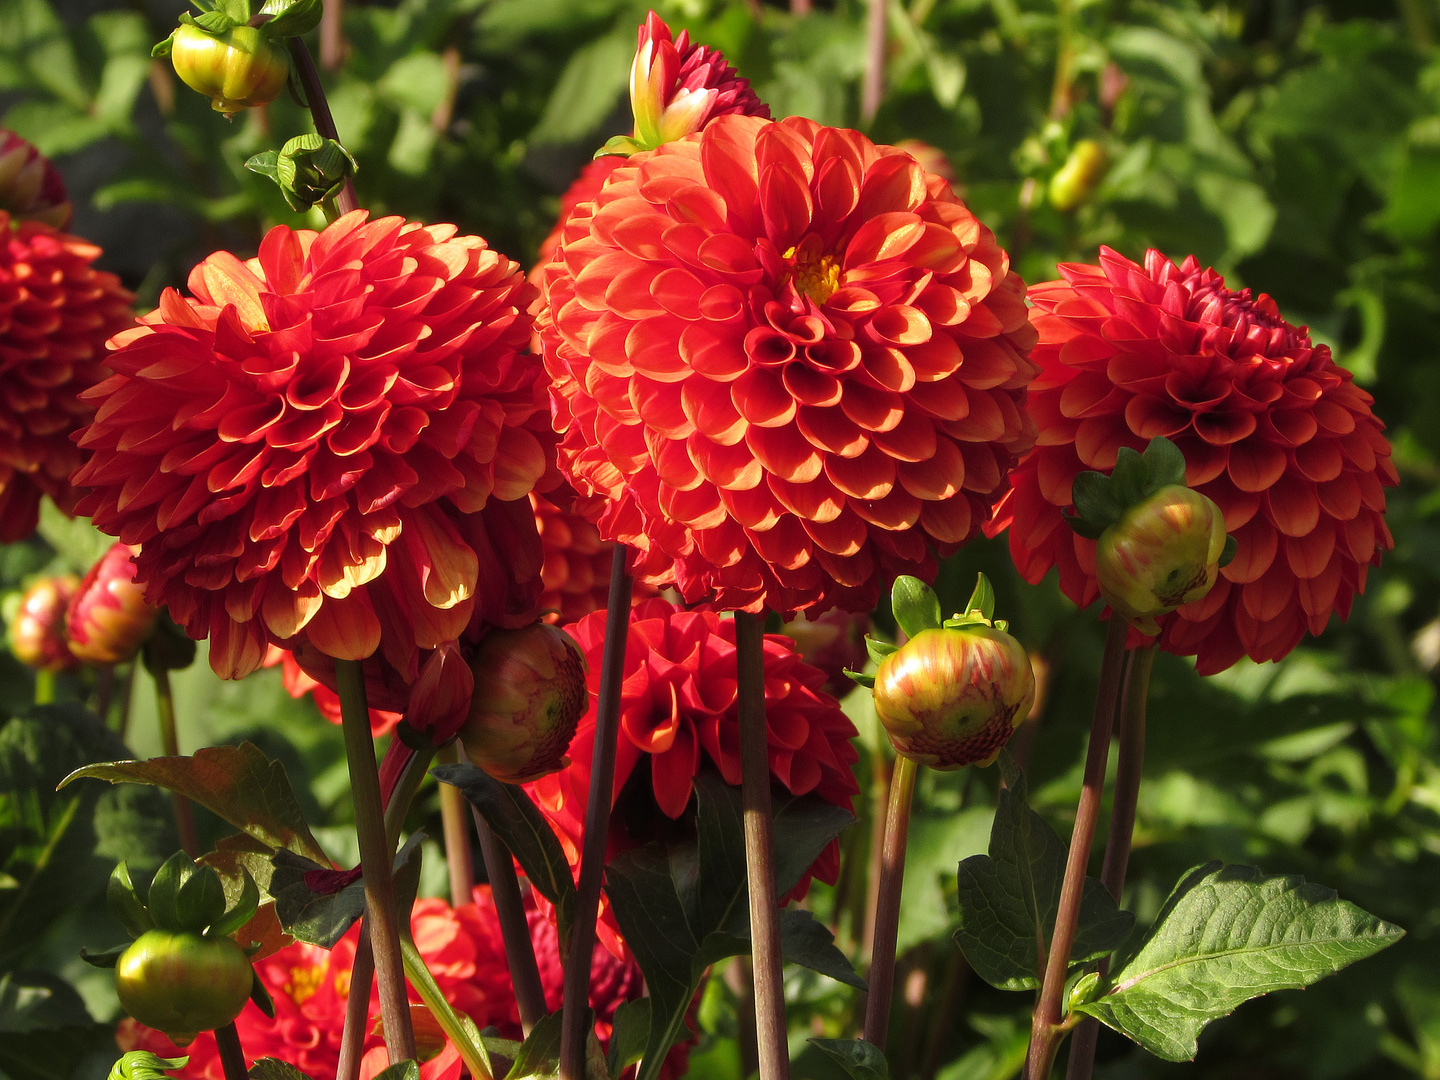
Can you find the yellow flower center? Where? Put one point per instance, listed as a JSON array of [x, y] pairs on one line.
[[303, 983], [814, 274]]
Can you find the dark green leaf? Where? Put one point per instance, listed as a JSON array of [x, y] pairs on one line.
[[1009, 898], [860, 1060], [539, 1054], [804, 940], [34, 1001], [1164, 464], [274, 1069], [105, 958], [321, 918], [1227, 553], [1095, 500], [124, 901], [1129, 480], [630, 1032], [915, 605], [401, 1070], [1225, 935], [163, 901], [201, 900], [261, 996], [243, 910], [237, 783]]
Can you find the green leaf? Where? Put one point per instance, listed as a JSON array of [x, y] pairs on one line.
[[143, 1065], [401, 1070], [293, 18], [124, 901], [1009, 898], [105, 958], [274, 1069], [35, 1001], [983, 598], [1129, 480], [163, 901], [237, 783], [322, 918], [214, 22], [1164, 463], [539, 1054], [241, 913], [201, 900], [684, 906], [266, 163], [523, 830], [860, 1060], [1095, 501], [878, 650], [629, 1033], [587, 90], [915, 605], [1225, 935]]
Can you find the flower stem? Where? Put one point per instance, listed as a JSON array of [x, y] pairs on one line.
[[575, 1022], [1122, 827], [170, 743], [1045, 1031], [449, 1021], [770, 1027], [44, 687], [320, 112], [872, 89], [887, 908], [456, 826], [514, 929], [232, 1056], [375, 857]]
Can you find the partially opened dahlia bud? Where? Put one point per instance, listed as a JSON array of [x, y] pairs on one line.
[[108, 619], [36, 629], [953, 694], [1163, 553], [31, 188], [529, 697]]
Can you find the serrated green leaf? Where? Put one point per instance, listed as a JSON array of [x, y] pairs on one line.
[[1225, 935], [1009, 899], [860, 1060], [915, 605]]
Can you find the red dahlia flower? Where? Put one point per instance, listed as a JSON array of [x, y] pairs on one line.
[[31, 188], [678, 711], [577, 562], [1272, 430], [790, 360], [344, 397], [56, 310]]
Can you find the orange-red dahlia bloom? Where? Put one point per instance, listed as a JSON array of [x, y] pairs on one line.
[[1272, 430], [305, 447], [791, 361], [31, 188], [576, 571], [678, 713], [465, 952], [56, 310]]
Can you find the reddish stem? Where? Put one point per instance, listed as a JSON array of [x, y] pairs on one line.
[[887, 910]]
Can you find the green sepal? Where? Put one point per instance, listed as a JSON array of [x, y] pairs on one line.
[[200, 899], [1094, 501], [290, 18], [105, 958], [168, 648], [1227, 553], [311, 169], [1081, 526], [867, 681], [1100, 500], [126, 903], [265, 163], [1165, 464], [620, 146], [982, 600], [915, 605], [162, 49], [238, 10], [243, 911], [878, 650], [214, 23], [164, 900], [260, 996], [143, 1065]]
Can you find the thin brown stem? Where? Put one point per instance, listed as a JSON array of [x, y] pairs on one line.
[[739, 976], [332, 35], [381, 917], [872, 89], [514, 929], [232, 1055], [1046, 1032], [574, 1025], [887, 911], [1122, 827], [770, 1026], [170, 742], [357, 1009], [320, 109], [455, 823]]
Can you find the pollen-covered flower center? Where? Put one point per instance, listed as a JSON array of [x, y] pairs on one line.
[[813, 273], [304, 982]]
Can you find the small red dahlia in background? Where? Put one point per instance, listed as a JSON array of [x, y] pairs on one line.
[[791, 361], [1272, 429], [678, 713], [31, 188], [345, 396], [108, 620]]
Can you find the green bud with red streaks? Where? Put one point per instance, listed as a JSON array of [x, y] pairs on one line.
[[955, 692], [236, 67], [530, 693], [36, 624]]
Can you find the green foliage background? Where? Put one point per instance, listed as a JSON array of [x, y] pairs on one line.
[[1295, 145]]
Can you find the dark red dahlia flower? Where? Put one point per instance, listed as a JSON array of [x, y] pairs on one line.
[[1272, 430], [56, 310], [678, 712], [306, 448], [791, 360], [31, 188]]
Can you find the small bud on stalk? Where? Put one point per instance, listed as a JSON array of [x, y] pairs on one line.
[[1076, 180], [529, 696], [1161, 554], [108, 619], [236, 68], [37, 625]]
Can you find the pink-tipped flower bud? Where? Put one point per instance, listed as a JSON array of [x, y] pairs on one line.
[[529, 696], [108, 619], [677, 87], [31, 188], [1162, 553], [953, 696], [236, 69], [37, 624]]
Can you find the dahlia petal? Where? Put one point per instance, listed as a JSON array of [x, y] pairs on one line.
[[1294, 505], [1255, 465]]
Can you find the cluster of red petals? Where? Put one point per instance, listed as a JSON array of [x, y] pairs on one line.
[[31, 188], [464, 950], [678, 713], [1272, 430], [791, 361], [56, 310], [298, 683], [683, 68], [576, 571], [269, 441]]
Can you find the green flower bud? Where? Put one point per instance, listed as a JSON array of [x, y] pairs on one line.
[[236, 69], [1162, 553], [1077, 179]]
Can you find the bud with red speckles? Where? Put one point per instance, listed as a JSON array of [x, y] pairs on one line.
[[37, 624], [529, 696], [31, 188], [108, 619]]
